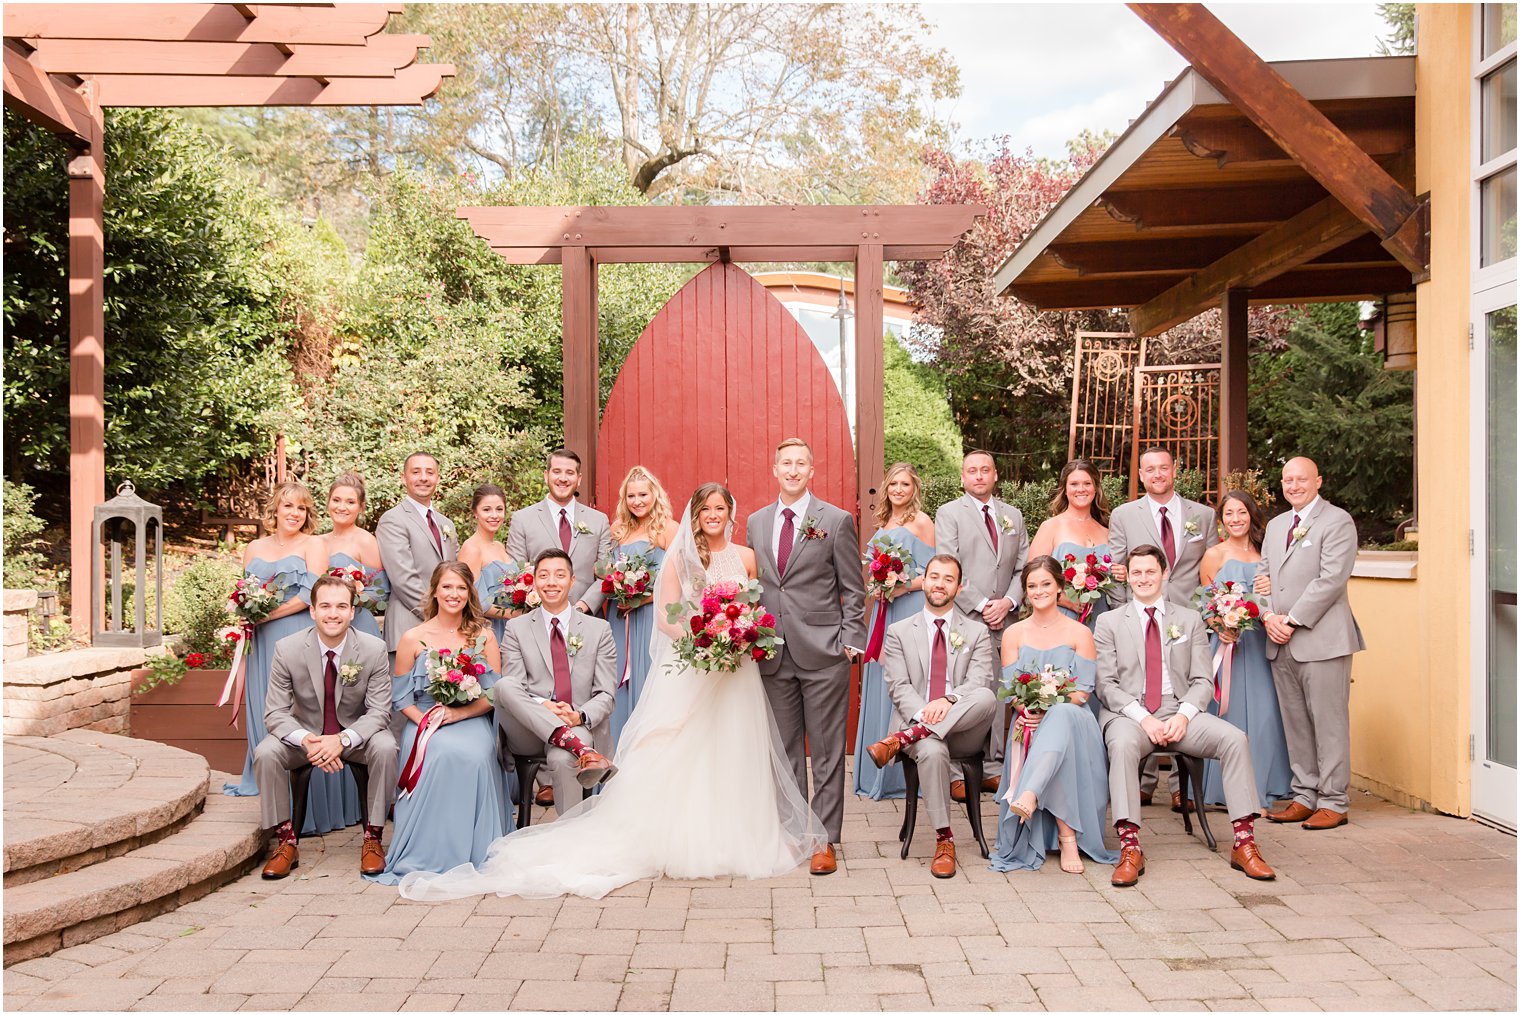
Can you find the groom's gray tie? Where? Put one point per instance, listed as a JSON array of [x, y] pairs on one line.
[[784, 550]]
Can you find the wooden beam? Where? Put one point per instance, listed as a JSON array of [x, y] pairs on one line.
[[582, 387], [1292, 122], [1185, 207], [1131, 257], [87, 363], [334, 24], [1318, 230], [382, 56], [1240, 142], [409, 86], [870, 399], [1233, 382], [709, 254], [45, 100]]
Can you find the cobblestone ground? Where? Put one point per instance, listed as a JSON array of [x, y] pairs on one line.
[[1396, 911]]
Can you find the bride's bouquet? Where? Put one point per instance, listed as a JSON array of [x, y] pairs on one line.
[[726, 624]]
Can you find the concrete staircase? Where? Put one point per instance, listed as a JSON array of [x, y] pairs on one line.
[[103, 831]]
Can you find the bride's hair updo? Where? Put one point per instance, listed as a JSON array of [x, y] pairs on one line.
[[698, 498]]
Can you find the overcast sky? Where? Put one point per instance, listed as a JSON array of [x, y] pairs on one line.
[[1042, 72]]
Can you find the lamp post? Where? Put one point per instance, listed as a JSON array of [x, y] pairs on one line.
[[843, 313]]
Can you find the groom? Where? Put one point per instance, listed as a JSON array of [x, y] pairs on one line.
[[810, 571]]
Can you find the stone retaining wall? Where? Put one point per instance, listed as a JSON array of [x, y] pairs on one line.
[[82, 689], [19, 604]]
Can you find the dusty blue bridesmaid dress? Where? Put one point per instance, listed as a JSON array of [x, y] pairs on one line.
[[1101, 606], [635, 631], [485, 586]]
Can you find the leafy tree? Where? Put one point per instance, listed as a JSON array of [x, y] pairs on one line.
[[1400, 21], [920, 429]]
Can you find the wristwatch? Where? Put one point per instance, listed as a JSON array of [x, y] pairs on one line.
[[345, 739]]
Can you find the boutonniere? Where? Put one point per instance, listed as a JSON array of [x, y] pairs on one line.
[[573, 644], [1173, 634], [349, 673], [957, 641], [1301, 535], [1005, 523], [582, 529], [810, 529], [1190, 527]]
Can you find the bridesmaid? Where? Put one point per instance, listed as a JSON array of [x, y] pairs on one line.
[[484, 554], [1078, 524], [1253, 696], [641, 524], [459, 806], [1061, 793], [290, 549], [901, 517]]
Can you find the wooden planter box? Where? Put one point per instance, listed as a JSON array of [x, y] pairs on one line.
[[183, 715]]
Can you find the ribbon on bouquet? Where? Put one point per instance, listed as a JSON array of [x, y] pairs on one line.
[[627, 650], [1224, 655], [411, 772], [1014, 763], [878, 632], [1086, 612], [236, 676]]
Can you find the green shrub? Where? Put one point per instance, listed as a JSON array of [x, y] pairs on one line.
[[23, 553], [919, 426], [195, 605]]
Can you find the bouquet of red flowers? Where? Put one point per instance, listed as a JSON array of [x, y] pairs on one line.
[[253, 598], [626, 577], [454, 677], [372, 592], [1037, 690], [516, 591], [727, 624], [1227, 606], [1087, 579], [890, 567]]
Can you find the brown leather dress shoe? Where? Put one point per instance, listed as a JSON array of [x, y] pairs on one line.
[[544, 797], [1294, 811], [1145, 799], [1177, 804], [990, 784], [885, 751], [371, 857], [958, 790], [1247, 858], [286, 859], [592, 768], [824, 861], [1325, 818], [943, 865], [1131, 866]]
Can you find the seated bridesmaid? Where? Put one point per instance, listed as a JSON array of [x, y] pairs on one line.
[[901, 518], [484, 554], [1078, 525], [1252, 705], [642, 524], [292, 552], [459, 806], [1059, 798]]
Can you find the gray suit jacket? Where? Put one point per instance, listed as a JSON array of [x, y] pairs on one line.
[[1309, 581], [1120, 638], [905, 660], [1133, 525], [528, 671], [819, 605], [535, 529], [960, 529], [409, 557], [296, 685]]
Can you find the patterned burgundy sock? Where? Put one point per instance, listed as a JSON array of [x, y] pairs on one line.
[[1245, 830], [285, 833], [944, 835], [374, 832], [567, 741], [913, 734], [1129, 833]]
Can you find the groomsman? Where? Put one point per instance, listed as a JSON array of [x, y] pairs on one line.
[[809, 557], [1183, 529], [414, 539], [329, 702], [560, 522], [938, 665], [1155, 681], [989, 539], [1307, 556], [559, 675]]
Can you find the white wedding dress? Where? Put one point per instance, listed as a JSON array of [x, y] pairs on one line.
[[703, 787]]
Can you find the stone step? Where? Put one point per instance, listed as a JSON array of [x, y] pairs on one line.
[[82, 797], [215, 846]]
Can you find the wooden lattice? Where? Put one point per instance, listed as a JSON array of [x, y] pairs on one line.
[[1103, 398], [1177, 408]]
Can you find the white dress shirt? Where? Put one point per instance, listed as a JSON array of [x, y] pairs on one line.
[[1136, 709], [297, 738], [1176, 516], [563, 616], [929, 618], [424, 510], [555, 508], [799, 511]]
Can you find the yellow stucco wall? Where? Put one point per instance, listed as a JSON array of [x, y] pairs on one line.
[[1391, 727]]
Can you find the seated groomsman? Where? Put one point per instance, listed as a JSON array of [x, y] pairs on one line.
[[559, 676], [1155, 680], [1308, 553], [329, 701], [938, 666]]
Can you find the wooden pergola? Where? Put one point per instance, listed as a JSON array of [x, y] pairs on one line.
[[581, 238], [1242, 182], [66, 63]]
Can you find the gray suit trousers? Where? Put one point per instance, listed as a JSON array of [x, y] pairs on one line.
[[1315, 699], [960, 732], [1208, 736], [810, 708], [274, 759], [559, 764]]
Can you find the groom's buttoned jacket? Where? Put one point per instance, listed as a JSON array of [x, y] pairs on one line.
[[535, 528], [528, 672], [297, 681], [905, 660], [1134, 524], [819, 602], [1309, 578], [410, 557], [960, 529], [1120, 639]]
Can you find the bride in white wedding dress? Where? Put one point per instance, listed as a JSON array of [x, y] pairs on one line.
[[703, 785]]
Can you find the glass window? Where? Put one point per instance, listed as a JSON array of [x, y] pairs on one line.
[[1499, 326], [1498, 27], [1499, 112], [1498, 217]]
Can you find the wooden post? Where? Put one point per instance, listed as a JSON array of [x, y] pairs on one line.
[[1233, 376], [581, 378], [87, 363], [870, 398]]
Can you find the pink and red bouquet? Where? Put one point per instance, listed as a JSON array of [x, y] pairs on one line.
[[1037, 690], [515, 591], [1228, 606], [454, 676], [254, 598], [727, 625], [627, 578], [889, 568], [1087, 579], [373, 592]]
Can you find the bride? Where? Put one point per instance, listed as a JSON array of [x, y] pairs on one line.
[[703, 785]]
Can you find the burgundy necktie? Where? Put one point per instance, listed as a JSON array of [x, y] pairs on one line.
[[1291, 529], [784, 548], [561, 662], [1152, 661], [437, 536], [330, 697], [1168, 543], [991, 528], [564, 530], [938, 658]]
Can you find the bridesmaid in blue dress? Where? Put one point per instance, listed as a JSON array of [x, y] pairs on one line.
[[901, 517], [1060, 796], [1078, 524], [459, 806], [290, 549], [1253, 697], [485, 555], [332, 802], [642, 524]]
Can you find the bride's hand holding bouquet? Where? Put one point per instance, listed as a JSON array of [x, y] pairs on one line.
[[724, 626]]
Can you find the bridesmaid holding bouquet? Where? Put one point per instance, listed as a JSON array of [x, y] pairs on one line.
[[485, 555], [642, 528], [1078, 528]]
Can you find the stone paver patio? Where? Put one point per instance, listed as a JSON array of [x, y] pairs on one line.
[[1397, 911]]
